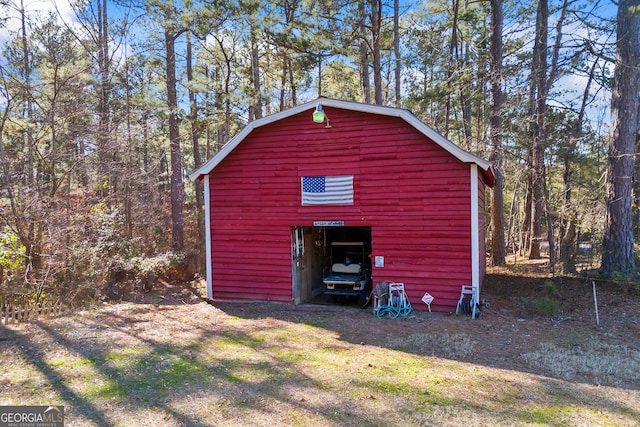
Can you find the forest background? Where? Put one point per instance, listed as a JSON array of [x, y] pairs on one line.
[[106, 106]]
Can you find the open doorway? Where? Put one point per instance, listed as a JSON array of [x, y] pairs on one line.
[[315, 250]]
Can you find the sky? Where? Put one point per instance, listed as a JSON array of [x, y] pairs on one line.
[[575, 84]]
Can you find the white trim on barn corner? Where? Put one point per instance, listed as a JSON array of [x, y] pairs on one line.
[[475, 232], [207, 233], [404, 114]]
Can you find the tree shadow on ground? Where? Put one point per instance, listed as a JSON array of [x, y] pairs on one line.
[[510, 326], [150, 373], [139, 366], [495, 341]]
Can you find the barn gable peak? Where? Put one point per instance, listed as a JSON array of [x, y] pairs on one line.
[[404, 114]]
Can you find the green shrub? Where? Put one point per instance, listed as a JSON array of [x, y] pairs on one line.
[[12, 255], [551, 289], [546, 305]]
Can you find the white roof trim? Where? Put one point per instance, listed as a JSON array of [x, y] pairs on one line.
[[462, 155]]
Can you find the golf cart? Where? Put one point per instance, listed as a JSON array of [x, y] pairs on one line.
[[350, 272]]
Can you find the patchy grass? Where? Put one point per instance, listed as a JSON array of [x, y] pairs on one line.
[[604, 363], [268, 364], [235, 364]]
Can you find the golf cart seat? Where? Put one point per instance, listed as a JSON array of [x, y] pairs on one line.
[[342, 268]]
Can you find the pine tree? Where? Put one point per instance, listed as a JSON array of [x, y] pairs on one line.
[[617, 251]]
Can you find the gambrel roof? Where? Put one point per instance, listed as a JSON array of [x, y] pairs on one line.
[[404, 114]]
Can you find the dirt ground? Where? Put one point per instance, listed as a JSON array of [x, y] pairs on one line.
[[510, 329], [172, 358], [513, 327]]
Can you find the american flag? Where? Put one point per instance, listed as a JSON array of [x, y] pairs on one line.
[[327, 190]]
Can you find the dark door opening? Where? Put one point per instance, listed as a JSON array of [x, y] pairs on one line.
[[328, 263]]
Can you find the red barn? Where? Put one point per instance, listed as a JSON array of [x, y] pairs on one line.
[[414, 197]]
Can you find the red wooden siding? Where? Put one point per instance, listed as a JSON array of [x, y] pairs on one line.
[[412, 193]]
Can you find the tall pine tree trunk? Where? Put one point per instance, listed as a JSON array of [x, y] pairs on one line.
[[453, 47], [364, 55], [376, 24], [255, 107], [177, 189], [498, 249], [617, 250], [636, 188], [28, 108], [106, 180], [465, 101], [129, 161], [539, 80], [568, 233], [396, 51], [197, 161]]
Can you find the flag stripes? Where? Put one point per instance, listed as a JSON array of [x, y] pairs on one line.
[[327, 190]]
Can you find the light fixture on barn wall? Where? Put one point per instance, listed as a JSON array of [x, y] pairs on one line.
[[319, 116]]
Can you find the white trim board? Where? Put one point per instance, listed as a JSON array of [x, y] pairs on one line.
[[207, 233], [475, 231]]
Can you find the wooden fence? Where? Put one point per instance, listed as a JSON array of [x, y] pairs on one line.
[[20, 308]]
